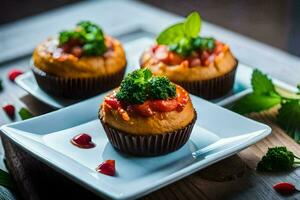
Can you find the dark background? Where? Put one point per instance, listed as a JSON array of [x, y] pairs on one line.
[[275, 22]]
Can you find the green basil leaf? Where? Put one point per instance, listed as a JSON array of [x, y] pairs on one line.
[[289, 118], [254, 102], [192, 25], [171, 35], [261, 84]]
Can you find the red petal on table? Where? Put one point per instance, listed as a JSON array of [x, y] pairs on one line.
[[14, 73], [9, 110], [107, 168], [284, 188]]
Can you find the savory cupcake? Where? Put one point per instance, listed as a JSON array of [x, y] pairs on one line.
[[79, 63], [147, 115], [202, 65]]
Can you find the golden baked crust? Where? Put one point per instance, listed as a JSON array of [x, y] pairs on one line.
[[47, 57], [159, 123], [223, 64]]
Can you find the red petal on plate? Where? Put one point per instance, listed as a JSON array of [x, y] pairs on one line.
[[107, 168], [83, 140], [14, 73], [9, 110]]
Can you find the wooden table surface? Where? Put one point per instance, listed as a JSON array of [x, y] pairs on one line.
[[232, 178]]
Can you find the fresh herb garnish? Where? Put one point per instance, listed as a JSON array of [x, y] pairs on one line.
[[88, 35], [140, 85], [266, 96], [277, 159], [25, 114], [183, 37], [289, 118], [161, 88]]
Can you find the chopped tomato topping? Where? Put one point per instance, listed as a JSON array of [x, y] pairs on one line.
[[143, 109], [204, 58], [162, 53], [112, 101], [148, 108], [174, 58], [77, 51], [164, 105], [195, 62], [219, 48]]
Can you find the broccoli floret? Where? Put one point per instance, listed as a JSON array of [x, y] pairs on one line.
[[277, 159], [161, 88], [133, 88], [140, 85]]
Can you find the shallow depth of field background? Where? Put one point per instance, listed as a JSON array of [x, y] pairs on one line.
[[276, 23]]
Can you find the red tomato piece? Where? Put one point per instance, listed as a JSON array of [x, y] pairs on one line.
[[113, 102], [143, 109], [164, 105], [162, 53], [174, 58], [195, 62]]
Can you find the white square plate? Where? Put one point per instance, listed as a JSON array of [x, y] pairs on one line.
[[218, 133], [133, 52]]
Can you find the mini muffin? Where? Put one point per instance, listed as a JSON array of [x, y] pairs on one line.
[[202, 65], [79, 63], [147, 115]]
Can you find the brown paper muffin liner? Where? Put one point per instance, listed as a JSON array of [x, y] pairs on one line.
[[212, 88], [76, 88], [148, 145]]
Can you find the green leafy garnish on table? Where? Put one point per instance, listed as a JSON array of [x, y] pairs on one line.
[[265, 96], [87, 34], [25, 114], [5, 179], [289, 118], [277, 159], [183, 38], [140, 85]]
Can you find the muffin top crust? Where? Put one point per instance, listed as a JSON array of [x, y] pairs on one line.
[[82, 52], [182, 55], [166, 109], [199, 66]]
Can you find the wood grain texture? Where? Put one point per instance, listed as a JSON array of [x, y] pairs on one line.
[[232, 178]]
